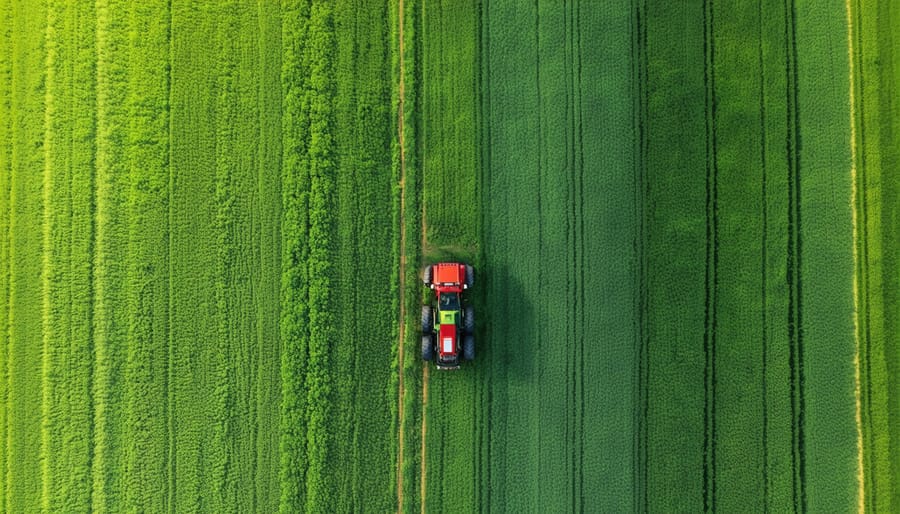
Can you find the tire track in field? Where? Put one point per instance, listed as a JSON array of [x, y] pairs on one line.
[[712, 260], [859, 267], [793, 262], [764, 254], [580, 152], [639, 46]]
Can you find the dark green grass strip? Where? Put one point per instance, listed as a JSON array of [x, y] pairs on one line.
[[712, 254], [676, 242], [739, 238], [547, 349], [827, 471], [793, 267], [604, 93]]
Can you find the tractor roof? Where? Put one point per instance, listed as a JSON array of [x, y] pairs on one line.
[[449, 273]]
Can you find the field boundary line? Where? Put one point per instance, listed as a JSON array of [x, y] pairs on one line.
[[857, 390]]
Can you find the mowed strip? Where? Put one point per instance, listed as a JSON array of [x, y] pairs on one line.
[[516, 421], [447, 134]]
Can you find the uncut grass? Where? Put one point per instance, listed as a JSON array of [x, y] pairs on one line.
[[23, 439], [6, 146], [110, 322], [67, 362], [146, 372], [294, 321]]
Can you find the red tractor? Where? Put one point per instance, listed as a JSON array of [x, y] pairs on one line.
[[444, 327]]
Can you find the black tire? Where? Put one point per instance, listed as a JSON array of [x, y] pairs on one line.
[[427, 320], [427, 348], [469, 347], [426, 276], [469, 319], [470, 276]]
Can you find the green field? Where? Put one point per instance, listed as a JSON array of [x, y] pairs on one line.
[[684, 218]]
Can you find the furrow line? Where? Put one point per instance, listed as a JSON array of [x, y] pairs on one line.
[[791, 270], [709, 307], [580, 153], [795, 128], [764, 258], [715, 252]]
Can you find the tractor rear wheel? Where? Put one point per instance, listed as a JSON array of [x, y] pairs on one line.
[[426, 276], [427, 320], [427, 348], [470, 276], [469, 347], [469, 319]]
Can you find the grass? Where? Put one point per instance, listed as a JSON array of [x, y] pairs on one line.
[[210, 226]]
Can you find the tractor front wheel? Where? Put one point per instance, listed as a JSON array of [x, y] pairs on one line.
[[427, 348], [469, 319], [470, 276], [469, 347], [426, 276], [427, 320]]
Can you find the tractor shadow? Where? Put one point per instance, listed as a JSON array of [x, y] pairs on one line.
[[507, 330]]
